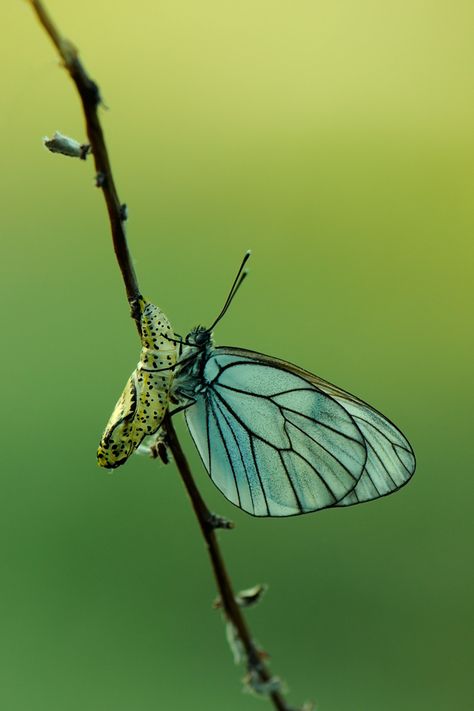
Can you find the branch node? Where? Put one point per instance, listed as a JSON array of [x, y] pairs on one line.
[[100, 179], [94, 92], [123, 212], [215, 521], [67, 51], [253, 682], [85, 150], [135, 310]]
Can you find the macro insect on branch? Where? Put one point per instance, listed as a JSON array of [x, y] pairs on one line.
[[258, 676], [275, 439]]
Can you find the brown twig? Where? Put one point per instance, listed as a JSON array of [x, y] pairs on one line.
[[90, 98], [232, 610]]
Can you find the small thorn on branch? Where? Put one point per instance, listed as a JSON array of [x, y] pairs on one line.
[[67, 146]]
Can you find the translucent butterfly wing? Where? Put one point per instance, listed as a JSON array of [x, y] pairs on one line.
[[278, 440], [140, 409]]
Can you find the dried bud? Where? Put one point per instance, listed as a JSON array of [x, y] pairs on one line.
[[216, 521], [66, 146], [251, 596], [254, 684], [245, 598], [234, 641]]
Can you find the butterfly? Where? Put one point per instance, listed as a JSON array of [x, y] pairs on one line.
[[278, 440], [145, 399]]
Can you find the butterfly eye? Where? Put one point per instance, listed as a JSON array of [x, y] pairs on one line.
[[199, 337], [202, 337]]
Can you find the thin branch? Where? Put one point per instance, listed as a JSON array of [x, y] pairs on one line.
[[206, 522], [90, 97], [91, 100]]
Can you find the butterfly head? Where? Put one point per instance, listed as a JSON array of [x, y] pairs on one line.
[[200, 337], [198, 345]]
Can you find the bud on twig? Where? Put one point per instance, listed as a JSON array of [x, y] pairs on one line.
[[255, 684], [251, 596], [66, 146], [234, 642], [216, 521], [245, 598]]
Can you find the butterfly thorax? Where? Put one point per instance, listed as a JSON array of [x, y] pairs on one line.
[[189, 379]]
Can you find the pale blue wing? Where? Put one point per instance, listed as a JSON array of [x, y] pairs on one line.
[[274, 444], [390, 461]]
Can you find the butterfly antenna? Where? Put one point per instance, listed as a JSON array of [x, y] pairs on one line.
[[241, 274]]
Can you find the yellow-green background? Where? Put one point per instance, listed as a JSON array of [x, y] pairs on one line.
[[336, 140]]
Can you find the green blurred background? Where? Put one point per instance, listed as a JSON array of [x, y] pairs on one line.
[[336, 140]]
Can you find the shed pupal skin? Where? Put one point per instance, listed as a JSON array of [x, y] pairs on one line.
[[144, 402]]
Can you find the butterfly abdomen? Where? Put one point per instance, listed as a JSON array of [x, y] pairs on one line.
[[142, 406]]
